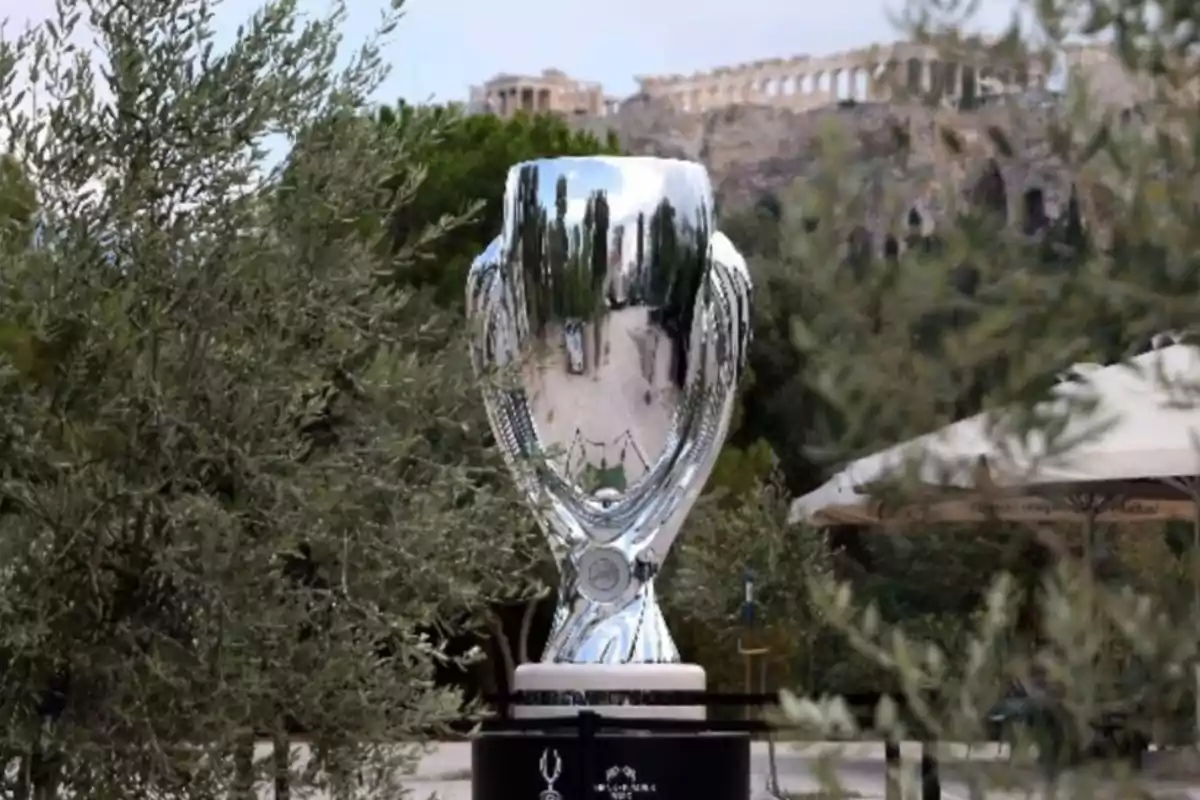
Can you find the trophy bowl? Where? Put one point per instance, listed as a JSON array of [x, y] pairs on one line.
[[609, 323]]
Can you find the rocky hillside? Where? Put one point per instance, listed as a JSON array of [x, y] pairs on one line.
[[753, 149]]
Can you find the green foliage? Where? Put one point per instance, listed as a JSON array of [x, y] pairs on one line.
[[18, 205], [775, 405], [857, 348], [740, 472], [235, 492], [248, 485], [464, 160], [988, 313], [703, 585], [466, 165]]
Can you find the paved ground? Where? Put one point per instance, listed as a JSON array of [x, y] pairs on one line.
[[445, 773]]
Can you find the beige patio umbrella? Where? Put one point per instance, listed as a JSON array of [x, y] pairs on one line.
[[1130, 435], [1133, 455]]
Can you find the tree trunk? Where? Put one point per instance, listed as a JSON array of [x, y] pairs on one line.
[[21, 789], [341, 774], [526, 623], [281, 757], [485, 674], [38, 775], [43, 775], [20, 784], [506, 653], [243, 769]]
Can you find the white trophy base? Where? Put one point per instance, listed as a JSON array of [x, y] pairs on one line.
[[610, 678]]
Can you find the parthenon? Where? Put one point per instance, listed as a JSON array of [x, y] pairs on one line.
[[867, 74], [553, 91], [871, 74]]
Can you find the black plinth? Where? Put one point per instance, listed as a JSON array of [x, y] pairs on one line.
[[610, 765]]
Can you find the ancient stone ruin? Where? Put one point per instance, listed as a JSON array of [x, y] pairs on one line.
[[871, 74], [758, 126], [553, 91], [879, 73]]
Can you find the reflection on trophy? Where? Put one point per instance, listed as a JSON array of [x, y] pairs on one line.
[[609, 324]]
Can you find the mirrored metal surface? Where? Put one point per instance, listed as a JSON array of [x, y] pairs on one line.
[[609, 323]]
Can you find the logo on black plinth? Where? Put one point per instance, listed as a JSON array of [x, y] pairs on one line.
[[621, 783], [551, 767]]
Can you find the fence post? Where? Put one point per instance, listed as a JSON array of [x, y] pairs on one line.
[[891, 758], [931, 782]]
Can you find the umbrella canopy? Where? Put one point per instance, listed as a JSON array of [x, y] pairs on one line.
[[1121, 424]]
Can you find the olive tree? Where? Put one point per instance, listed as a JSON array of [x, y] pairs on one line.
[[898, 338], [730, 536], [226, 511]]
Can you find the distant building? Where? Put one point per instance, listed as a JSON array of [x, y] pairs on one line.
[[551, 92], [872, 74], [865, 75]]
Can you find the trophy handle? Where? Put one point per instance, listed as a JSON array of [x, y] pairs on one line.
[[721, 336], [494, 313], [733, 266]]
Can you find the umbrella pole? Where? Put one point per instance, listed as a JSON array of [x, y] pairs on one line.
[[1089, 599], [1196, 599]]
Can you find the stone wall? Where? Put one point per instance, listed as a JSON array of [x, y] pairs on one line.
[[866, 75], [801, 83], [754, 150], [1100, 73], [758, 128]]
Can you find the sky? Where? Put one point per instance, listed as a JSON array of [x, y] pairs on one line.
[[442, 47]]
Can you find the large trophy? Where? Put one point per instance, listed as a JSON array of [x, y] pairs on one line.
[[609, 323]]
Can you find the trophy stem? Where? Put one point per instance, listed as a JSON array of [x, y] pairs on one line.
[[628, 631]]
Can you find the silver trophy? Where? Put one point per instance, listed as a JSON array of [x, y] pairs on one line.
[[609, 323]]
